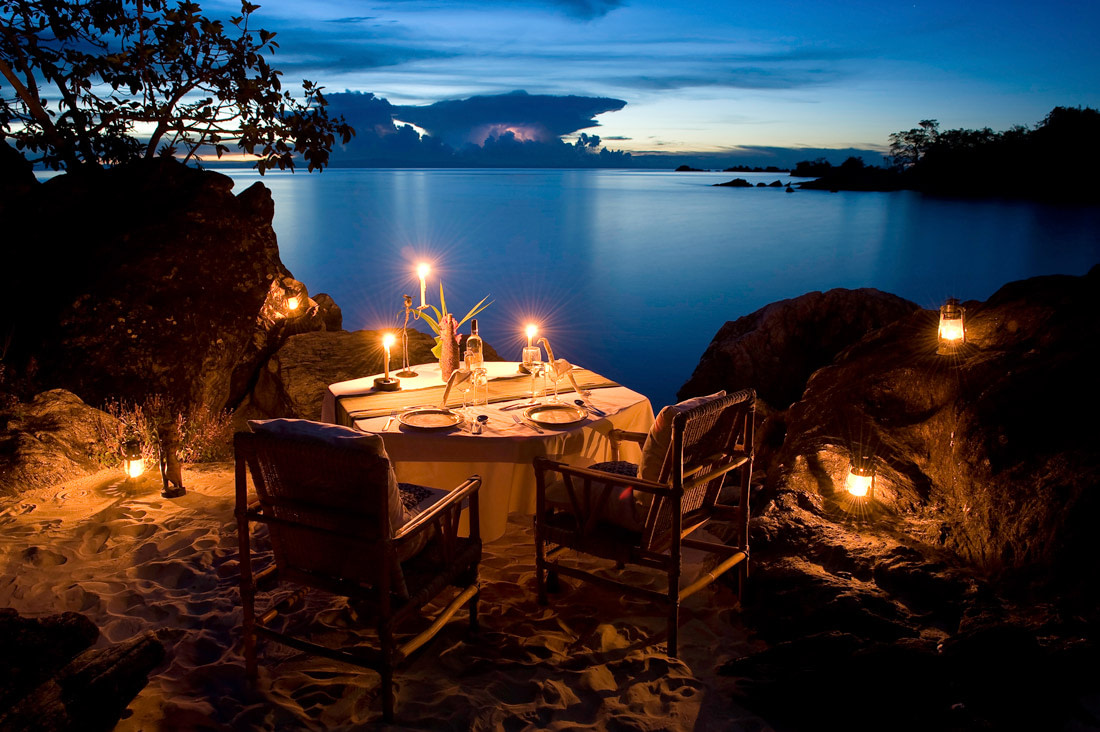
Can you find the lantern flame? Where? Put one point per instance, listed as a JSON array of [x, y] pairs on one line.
[[860, 481], [293, 302], [134, 468]]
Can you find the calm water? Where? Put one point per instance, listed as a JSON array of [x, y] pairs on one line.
[[631, 273]]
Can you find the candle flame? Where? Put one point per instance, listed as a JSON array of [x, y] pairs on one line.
[[532, 330], [388, 340], [423, 269]]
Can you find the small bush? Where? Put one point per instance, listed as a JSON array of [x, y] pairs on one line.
[[201, 434]]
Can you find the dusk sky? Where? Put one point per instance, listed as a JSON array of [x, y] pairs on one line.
[[710, 76]]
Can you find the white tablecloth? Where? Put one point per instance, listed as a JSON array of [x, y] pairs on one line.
[[503, 453]]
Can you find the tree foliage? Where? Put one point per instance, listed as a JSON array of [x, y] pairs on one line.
[[908, 147], [100, 82]]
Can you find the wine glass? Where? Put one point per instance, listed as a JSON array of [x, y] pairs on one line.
[[536, 368], [463, 383], [553, 376]]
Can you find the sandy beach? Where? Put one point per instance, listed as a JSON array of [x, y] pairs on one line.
[[133, 561]]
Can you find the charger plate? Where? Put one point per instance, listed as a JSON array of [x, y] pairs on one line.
[[430, 418], [555, 415]]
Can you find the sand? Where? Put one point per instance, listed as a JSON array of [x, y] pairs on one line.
[[133, 561]]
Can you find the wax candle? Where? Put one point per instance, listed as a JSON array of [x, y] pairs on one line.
[[423, 270], [387, 341], [532, 330]]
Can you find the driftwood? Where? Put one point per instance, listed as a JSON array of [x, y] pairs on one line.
[[46, 688]]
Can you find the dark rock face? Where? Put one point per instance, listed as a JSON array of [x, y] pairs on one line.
[[155, 279], [775, 349], [54, 438], [53, 680], [965, 589], [735, 183]]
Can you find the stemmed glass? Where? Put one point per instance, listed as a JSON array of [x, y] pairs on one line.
[[464, 383], [553, 375], [532, 361]]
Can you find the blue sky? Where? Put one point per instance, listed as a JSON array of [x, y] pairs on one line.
[[711, 76]]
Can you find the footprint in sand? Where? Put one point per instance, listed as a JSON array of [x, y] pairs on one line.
[[93, 539], [19, 509], [40, 557]]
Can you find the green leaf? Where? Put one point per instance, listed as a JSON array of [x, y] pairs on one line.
[[433, 323], [437, 349], [442, 300], [477, 309]]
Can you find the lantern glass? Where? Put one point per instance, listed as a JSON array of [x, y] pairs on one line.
[[860, 481], [132, 461], [952, 326], [292, 302]]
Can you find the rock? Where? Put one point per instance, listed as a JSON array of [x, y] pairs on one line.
[[775, 349], [735, 183], [775, 184], [53, 680], [687, 169], [160, 281], [329, 311], [970, 458], [54, 438]]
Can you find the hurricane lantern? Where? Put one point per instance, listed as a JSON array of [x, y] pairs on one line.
[[292, 302], [132, 461], [861, 481], [952, 324]]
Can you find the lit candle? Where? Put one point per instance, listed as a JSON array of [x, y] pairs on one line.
[[532, 331], [423, 270], [387, 341]]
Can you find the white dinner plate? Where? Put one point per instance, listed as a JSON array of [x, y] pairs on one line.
[[555, 415], [430, 418]]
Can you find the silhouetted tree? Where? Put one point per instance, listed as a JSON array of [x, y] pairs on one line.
[[907, 148], [94, 82]]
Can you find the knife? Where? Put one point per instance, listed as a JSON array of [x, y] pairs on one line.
[[586, 405]]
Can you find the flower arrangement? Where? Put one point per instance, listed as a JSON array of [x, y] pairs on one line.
[[443, 317]]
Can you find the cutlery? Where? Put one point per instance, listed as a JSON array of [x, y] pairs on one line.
[[515, 406], [532, 425], [388, 423], [582, 403]]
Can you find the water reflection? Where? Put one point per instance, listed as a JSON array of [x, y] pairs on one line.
[[631, 273]]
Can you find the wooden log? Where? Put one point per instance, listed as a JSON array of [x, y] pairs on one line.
[[91, 692], [34, 649]]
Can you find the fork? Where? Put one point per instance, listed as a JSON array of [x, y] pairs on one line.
[[522, 422]]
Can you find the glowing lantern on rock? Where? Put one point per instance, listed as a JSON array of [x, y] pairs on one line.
[[132, 461], [952, 324], [293, 302], [861, 481]]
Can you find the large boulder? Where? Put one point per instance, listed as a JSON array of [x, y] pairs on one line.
[[969, 571], [151, 278], [54, 438], [775, 349], [989, 452]]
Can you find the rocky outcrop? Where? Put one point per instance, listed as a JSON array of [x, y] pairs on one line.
[[294, 380], [970, 567], [54, 438], [775, 349], [735, 183], [52, 679], [151, 278]]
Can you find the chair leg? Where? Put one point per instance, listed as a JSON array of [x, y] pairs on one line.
[[472, 607], [552, 583], [540, 565], [387, 693], [673, 626]]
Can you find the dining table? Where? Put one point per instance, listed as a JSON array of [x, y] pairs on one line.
[[515, 428]]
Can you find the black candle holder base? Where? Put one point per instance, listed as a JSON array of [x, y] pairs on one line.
[[390, 384]]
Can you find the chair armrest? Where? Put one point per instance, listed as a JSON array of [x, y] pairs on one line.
[[646, 486], [617, 437], [468, 488]]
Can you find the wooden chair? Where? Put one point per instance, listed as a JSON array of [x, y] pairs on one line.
[[708, 442], [327, 510]]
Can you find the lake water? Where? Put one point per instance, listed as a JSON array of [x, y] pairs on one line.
[[631, 273]]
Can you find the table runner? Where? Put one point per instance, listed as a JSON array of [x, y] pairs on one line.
[[381, 403]]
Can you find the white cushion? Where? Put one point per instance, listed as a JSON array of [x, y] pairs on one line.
[[336, 435], [660, 435]]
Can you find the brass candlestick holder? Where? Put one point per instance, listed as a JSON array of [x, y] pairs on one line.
[[406, 371]]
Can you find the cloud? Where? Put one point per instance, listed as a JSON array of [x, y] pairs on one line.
[[529, 117], [516, 129], [759, 77]]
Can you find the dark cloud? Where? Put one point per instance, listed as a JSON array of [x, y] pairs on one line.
[[739, 78], [508, 130], [588, 8], [531, 117]]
